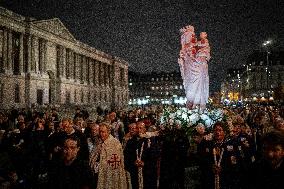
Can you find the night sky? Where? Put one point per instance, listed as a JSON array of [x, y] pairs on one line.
[[146, 32]]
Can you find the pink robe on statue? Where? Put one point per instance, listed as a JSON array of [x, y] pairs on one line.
[[194, 69], [196, 82]]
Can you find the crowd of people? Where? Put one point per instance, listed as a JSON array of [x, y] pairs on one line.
[[131, 149]]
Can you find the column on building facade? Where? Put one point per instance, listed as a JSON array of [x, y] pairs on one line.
[[102, 71], [74, 65], [63, 61], [125, 78], [21, 55], [29, 50], [91, 71], [33, 60], [40, 56], [9, 51], [121, 76], [67, 64], [107, 75], [96, 68], [71, 62], [83, 67], [99, 73], [44, 55], [111, 75], [79, 65], [78, 71], [5, 48], [86, 68], [103, 74]]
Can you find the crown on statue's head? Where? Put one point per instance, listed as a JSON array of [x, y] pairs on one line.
[[187, 28]]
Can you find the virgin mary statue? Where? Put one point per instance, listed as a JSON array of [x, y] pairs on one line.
[[193, 62]]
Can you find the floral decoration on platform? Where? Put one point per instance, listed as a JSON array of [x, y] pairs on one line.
[[189, 119]]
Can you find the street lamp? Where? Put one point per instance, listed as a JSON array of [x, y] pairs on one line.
[[266, 45]]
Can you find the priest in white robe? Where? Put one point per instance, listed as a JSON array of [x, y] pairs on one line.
[[111, 167]]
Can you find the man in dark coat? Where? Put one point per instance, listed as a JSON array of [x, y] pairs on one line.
[[231, 164], [268, 172], [148, 160], [70, 172]]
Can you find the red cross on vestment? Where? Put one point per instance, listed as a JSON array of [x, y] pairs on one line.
[[114, 161]]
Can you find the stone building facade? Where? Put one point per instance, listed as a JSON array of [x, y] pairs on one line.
[[42, 63], [263, 76], [156, 88], [261, 79]]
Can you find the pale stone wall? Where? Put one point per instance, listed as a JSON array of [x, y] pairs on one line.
[[102, 82], [9, 83], [51, 56]]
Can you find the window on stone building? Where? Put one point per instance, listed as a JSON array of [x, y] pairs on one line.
[[81, 68], [58, 54], [1, 50], [89, 97], [74, 66], [109, 75], [67, 66], [68, 97], [95, 97], [16, 53], [104, 74], [82, 96], [75, 96], [17, 94], [121, 76], [99, 73], [88, 69], [40, 53], [95, 72], [26, 52], [1, 92], [39, 98]]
